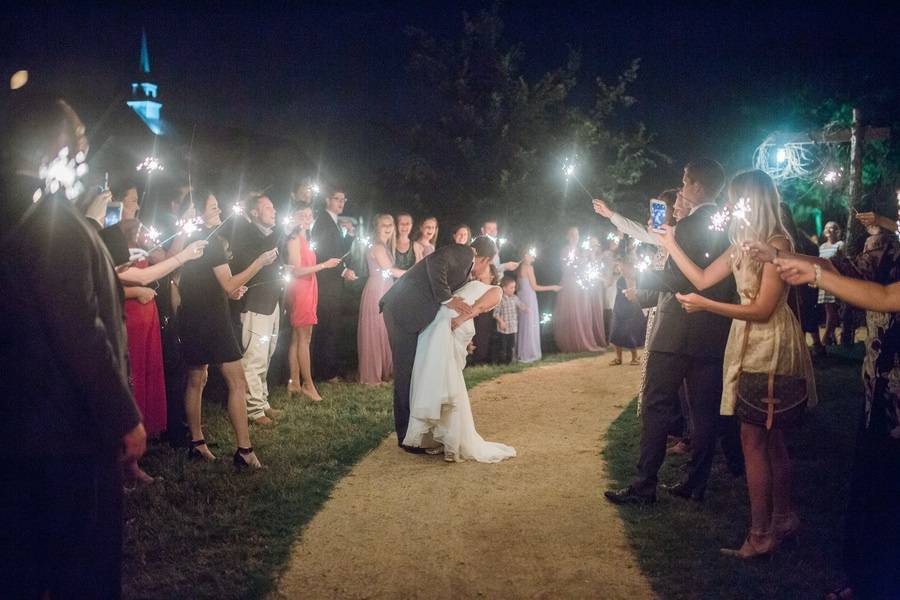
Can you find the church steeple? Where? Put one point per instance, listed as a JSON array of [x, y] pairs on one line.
[[145, 54], [144, 92]]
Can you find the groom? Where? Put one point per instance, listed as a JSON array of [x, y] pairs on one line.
[[413, 302]]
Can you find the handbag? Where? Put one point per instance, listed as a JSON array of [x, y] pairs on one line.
[[768, 399]]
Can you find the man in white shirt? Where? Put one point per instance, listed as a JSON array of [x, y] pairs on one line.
[[489, 229]]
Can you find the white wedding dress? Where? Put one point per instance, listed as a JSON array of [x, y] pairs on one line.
[[440, 412]]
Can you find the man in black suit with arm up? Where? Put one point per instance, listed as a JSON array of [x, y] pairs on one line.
[[684, 347], [412, 303]]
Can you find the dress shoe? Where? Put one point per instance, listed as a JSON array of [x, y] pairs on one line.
[[414, 450], [681, 490], [629, 496]]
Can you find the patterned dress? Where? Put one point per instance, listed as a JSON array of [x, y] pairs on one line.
[[872, 528]]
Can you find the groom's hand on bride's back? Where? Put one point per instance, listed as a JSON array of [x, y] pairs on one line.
[[459, 305]]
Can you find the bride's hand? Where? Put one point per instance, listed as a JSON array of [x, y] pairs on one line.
[[455, 322]]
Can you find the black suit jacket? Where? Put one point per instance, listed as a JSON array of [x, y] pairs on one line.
[[64, 386], [329, 243], [416, 297], [701, 334]]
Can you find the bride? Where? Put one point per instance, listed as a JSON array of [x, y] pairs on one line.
[[440, 413]]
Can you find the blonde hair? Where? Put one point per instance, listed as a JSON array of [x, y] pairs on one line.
[[433, 240], [762, 222], [377, 222]]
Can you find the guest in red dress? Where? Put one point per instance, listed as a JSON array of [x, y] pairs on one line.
[[303, 298], [145, 345]]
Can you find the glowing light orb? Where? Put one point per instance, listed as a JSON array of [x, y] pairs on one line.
[[781, 156], [831, 177], [18, 79]]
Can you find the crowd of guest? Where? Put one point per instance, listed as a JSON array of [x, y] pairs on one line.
[[725, 333]]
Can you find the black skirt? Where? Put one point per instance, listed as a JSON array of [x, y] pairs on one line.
[[204, 320]]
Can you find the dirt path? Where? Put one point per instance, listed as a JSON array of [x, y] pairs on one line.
[[413, 526]]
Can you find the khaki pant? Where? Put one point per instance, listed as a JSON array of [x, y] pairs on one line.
[[259, 335]]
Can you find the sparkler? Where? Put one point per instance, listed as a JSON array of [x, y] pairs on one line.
[[586, 244], [722, 218], [150, 164], [612, 237], [569, 170], [236, 209], [644, 263], [63, 173], [285, 277], [386, 273], [532, 252], [546, 318], [501, 241]]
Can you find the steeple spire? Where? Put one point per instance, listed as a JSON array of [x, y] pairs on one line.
[[145, 54]]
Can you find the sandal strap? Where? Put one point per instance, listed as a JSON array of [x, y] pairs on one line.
[[200, 442], [245, 451]]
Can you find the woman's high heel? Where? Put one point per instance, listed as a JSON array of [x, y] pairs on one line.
[[195, 454], [749, 549], [244, 458], [786, 527]]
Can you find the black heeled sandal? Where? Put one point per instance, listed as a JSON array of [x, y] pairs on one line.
[[194, 454], [240, 462]]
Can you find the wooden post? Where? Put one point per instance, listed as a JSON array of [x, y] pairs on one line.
[[856, 233]]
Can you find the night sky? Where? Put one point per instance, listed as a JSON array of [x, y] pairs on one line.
[[332, 75]]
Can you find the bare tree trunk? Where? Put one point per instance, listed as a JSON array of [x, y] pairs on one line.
[[856, 233]]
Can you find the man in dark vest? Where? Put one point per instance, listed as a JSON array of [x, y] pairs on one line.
[[260, 309]]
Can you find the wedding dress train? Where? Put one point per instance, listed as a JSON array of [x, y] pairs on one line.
[[440, 412]]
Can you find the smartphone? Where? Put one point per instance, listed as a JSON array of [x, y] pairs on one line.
[[113, 214], [657, 214]]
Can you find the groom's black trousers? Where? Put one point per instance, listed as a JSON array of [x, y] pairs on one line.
[[665, 373], [403, 350]]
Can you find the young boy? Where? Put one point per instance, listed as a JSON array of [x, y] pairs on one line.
[[507, 321]]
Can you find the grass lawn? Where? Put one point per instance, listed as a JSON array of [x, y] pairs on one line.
[[205, 531], [677, 543]]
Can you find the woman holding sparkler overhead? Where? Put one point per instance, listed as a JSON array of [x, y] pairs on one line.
[[373, 346], [765, 341], [303, 295], [572, 327], [207, 336]]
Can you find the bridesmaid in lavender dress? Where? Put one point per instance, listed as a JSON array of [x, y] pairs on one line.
[[373, 348], [573, 322], [528, 342]]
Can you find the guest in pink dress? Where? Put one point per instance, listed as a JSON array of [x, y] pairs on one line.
[[426, 240], [303, 297], [573, 325], [373, 347]]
